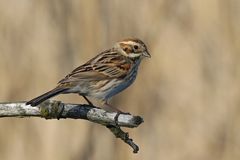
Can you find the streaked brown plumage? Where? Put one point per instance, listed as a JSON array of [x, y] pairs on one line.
[[103, 76]]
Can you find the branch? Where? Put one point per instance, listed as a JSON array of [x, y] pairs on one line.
[[58, 110]]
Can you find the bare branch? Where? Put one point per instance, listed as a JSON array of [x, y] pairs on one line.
[[58, 110]]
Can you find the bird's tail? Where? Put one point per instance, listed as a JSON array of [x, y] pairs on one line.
[[36, 101]]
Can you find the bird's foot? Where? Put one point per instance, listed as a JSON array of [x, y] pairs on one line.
[[110, 108], [89, 102]]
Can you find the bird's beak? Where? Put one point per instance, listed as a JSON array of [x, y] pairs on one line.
[[146, 54]]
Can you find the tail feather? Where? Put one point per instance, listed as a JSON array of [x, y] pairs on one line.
[[36, 101]]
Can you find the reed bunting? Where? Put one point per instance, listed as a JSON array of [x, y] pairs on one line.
[[103, 76]]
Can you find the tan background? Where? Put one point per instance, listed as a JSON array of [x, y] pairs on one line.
[[188, 92]]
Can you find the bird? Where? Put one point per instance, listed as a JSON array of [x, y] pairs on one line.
[[103, 76]]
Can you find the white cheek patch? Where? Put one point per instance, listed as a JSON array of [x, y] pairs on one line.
[[133, 55]]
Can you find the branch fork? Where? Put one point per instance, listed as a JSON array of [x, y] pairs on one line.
[[59, 110]]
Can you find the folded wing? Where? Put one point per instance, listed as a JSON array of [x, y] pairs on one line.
[[107, 65]]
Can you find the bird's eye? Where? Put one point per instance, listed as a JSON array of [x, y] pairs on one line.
[[135, 47]]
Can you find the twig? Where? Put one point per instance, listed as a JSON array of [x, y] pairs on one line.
[[123, 136], [58, 110]]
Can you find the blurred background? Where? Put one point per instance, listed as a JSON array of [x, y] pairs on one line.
[[188, 92]]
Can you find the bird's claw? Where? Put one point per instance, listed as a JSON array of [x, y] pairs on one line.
[[117, 115], [116, 119]]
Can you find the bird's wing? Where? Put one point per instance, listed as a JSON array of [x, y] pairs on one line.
[[107, 65]]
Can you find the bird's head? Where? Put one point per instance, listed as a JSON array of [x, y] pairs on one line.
[[132, 48]]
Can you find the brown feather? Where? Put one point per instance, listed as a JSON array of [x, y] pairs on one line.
[[107, 65]]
